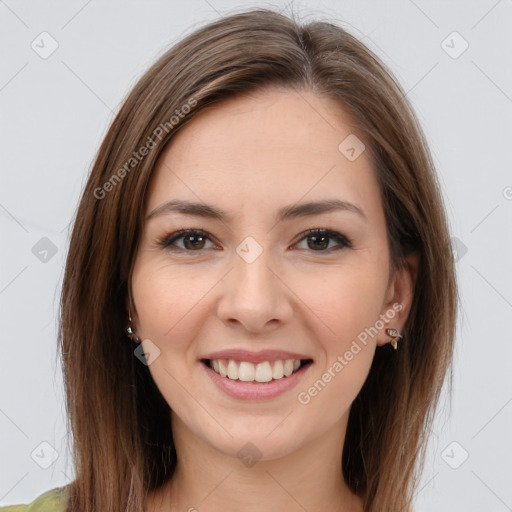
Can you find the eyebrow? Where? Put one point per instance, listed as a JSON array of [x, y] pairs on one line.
[[286, 213]]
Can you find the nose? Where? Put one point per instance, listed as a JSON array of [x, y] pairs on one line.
[[255, 296]]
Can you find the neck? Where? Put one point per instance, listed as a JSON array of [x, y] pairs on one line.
[[208, 480]]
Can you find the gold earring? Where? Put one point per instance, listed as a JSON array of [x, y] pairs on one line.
[[130, 331], [395, 335]]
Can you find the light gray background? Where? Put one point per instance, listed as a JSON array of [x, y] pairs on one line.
[[55, 111]]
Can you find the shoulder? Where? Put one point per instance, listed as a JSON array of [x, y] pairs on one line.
[[53, 500]]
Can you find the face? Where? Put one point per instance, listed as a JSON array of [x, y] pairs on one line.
[[251, 288]]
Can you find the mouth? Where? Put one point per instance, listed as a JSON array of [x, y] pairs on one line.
[[264, 372]]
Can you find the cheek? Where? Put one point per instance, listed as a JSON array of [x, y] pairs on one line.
[[347, 304], [345, 300], [168, 303], [331, 391], [346, 307], [171, 312]]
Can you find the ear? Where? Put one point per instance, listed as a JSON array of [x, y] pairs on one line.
[[130, 307], [399, 297]]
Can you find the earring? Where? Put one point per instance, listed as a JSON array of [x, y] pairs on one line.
[[130, 331], [395, 335]]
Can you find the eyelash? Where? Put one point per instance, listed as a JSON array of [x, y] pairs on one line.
[[167, 241]]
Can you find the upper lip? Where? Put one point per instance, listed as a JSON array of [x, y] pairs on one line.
[[255, 357]]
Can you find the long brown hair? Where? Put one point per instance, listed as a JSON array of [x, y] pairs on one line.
[[122, 442]]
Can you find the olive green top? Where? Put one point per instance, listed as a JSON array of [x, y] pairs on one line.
[[53, 500]]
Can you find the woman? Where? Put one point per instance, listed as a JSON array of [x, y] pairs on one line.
[[258, 309]]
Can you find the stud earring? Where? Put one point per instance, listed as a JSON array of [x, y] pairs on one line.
[[130, 331], [395, 335]]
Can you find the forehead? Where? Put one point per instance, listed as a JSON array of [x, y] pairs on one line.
[[260, 149]]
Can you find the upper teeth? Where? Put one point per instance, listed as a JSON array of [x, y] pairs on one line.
[[260, 372]]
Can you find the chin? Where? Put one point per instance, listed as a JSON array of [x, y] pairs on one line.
[[258, 439]]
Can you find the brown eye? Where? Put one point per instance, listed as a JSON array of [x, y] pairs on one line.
[[193, 240], [319, 239], [319, 242]]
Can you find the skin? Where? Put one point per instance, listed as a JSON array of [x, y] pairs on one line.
[[250, 156]]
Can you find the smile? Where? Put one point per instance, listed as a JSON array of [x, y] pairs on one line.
[[264, 371], [245, 380]]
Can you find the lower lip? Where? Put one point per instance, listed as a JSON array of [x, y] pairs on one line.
[[255, 390]]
